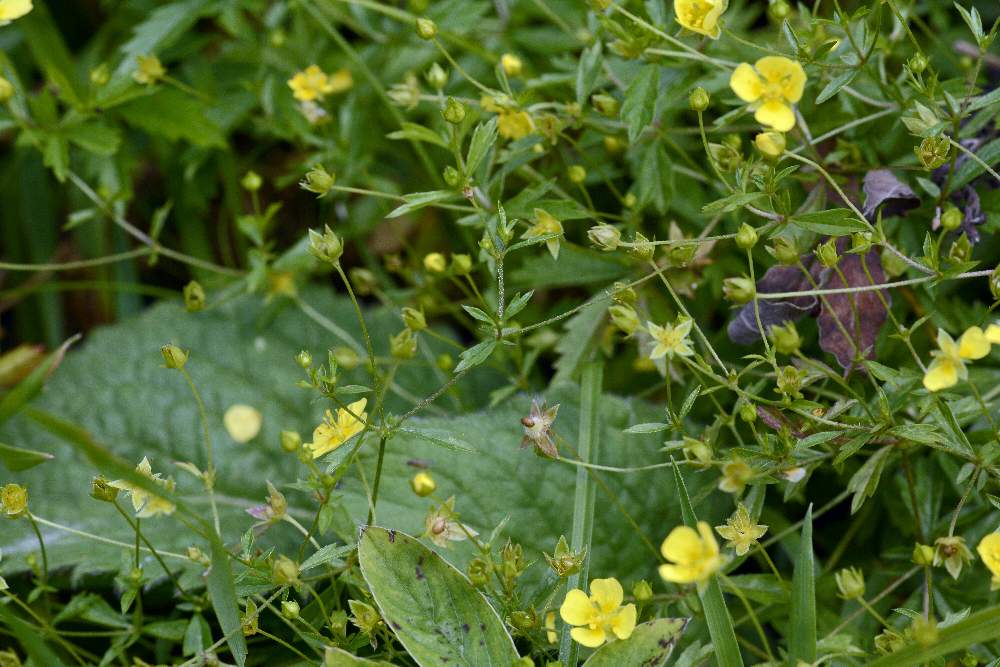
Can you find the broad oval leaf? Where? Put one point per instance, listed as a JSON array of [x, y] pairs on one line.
[[650, 645], [434, 611]]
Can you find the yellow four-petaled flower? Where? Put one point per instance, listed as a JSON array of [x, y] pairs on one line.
[[600, 614], [313, 83], [948, 366], [771, 86], [335, 431], [700, 16], [693, 554], [144, 503], [671, 340]]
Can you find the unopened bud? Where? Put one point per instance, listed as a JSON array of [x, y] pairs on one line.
[[577, 174], [435, 262], [738, 290], [918, 63], [642, 591], [445, 362], [933, 152], [318, 180], [285, 571], [290, 441], [771, 144], [251, 181], [748, 412], [403, 345], [923, 554], [194, 297], [604, 236], [426, 28], [827, 255], [746, 237], [346, 357], [423, 484], [437, 77], [173, 356], [461, 264], [786, 338], [290, 609], [850, 583], [952, 218], [641, 248], [6, 90], [451, 176], [414, 319], [363, 280], [326, 247], [605, 105], [625, 318], [699, 99], [304, 359], [511, 64], [454, 111], [784, 250], [101, 490]]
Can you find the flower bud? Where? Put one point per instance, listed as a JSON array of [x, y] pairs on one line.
[[625, 318], [789, 381], [414, 319], [925, 631], [318, 180], [642, 248], [426, 29], [699, 99], [771, 144], [511, 64], [523, 621], [564, 561], [850, 583], [642, 591], [423, 484], [437, 77], [445, 362], [951, 219], [454, 111], [604, 236], [338, 626], [786, 338], [173, 356], [738, 290], [290, 609], [435, 262], [346, 357], [326, 247], [194, 297], [698, 450], [461, 265], [995, 283], [285, 571], [479, 572], [249, 620], [613, 144], [101, 490], [148, 70], [196, 555], [918, 63], [826, 253], [961, 249], [682, 254], [251, 181], [923, 554], [779, 10], [290, 441], [403, 345], [861, 242], [746, 237], [363, 280], [784, 250], [6, 90], [100, 75], [13, 500], [364, 616], [933, 152], [606, 105], [748, 412], [623, 293], [451, 176], [629, 201], [577, 174], [304, 359]]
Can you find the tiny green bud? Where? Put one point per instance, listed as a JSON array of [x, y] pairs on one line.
[[995, 283], [961, 249], [364, 616], [414, 319], [779, 11], [285, 571], [923, 554], [290, 609], [173, 356], [789, 381], [952, 218], [461, 264], [346, 357], [630, 200], [100, 75], [784, 250], [523, 620], [318, 180], [363, 280], [699, 99], [748, 412], [786, 338], [426, 28], [641, 248], [861, 242], [623, 293], [403, 345], [605, 105], [479, 572], [304, 359], [826, 253], [445, 362], [738, 290], [194, 297], [625, 318], [338, 625], [682, 254], [423, 484], [511, 64], [6, 90], [850, 583], [451, 176], [454, 111], [642, 591], [918, 63], [925, 631], [577, 174], [746, 237], [290, 441], [437, 77], [251, 181], [605, 236], [326, 247], [933, 152], [101, 490]]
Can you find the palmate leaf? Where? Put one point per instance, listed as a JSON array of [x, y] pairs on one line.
[[242, 352]]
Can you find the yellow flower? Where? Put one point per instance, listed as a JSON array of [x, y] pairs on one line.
[[13, 9], [550, 628], [989, 551], [993, 333], [545, 225], [735, 476], [694, 555], [671, 339], [423, 484], [13, 499], [948, 366], [952, 553], [313, 84], [144, 503], [741, 530], [771, 144], [511, 64], [514, 125], [334, 432], [148, 70], [435, 262], [771, 86], [700, 16], [242, 422], [598, 615]]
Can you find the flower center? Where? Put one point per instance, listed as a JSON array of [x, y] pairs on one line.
[[695, 12]]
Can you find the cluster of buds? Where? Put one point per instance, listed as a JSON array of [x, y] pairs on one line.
[[933, 152], [564, 561]]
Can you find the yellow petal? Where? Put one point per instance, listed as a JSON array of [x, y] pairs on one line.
[[776, 115], [941, 374], [242, 422], [947, 344], [607, 593], [709, 545], [787, 73], [14, 9], [993, 334], [682, 545], [624, 622], [973, 344], [989, 551], [746, 84], [587, 637], [576, 609], [679, 574]]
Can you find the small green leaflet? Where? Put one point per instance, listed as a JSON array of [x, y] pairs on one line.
[[834, 222]]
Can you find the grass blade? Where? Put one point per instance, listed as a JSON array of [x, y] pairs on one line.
[[979, 627], [802, 641], [223, 592]]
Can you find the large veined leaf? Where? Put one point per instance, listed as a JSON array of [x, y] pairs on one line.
[[650, 645], [114, 386], [434, 611]]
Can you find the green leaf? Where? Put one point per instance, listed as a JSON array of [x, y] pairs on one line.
[[338, 657], [866, 479], [732, 202], [162, 27], [650, 645], [46, 44], [475, 355], [587, 71], [836, 83], [483, 138], [331, 553], [16, 459], [970, 169], [29, 637], [650, 427], [576, 266], [29, 387], [802, 636], [98, 138], [977, 628], [223, 593], [175, 116], [640, 100], [434, 611], [419, 200], [578, 339], [415, 132], [832, 222]]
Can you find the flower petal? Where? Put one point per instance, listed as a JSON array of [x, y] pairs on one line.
[[709, 545], [746, 84], [973, 344], [607, 594], [993, 334], [624, 622], [679, 574], [941, 374], [682, 545], [785, 72], [576, 609], [588, 637], [776, 115]]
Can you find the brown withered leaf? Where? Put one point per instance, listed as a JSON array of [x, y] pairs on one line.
[[862, 314], [743, 328], [882, 187]]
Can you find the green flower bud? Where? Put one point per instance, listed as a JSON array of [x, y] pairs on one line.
[[346, 357], [827, 255], [479, 572], [451, 176], [682, 254], [918, 63], [461, 265], [13, 500], [338, 626], [925, 631], [194, 297], [952, 218], [933, 152], [326, 247], [437, 77], [423, 484], [363, 280], [100, 75], [699, 99], [605, 236], [251, 181], [625, 318], [304, 359], [923, 554], [746, 237], [173, 356], [623, 293], [364, 616], [6, 90], [403, 345], [748, 412], [318, 180], [642, 248], [861, 242], [426, 29], [101, 490], [784, 250], [454, 111], [605, 105], [850, 583], [779, 11], [414, 319], [738, 290], [445, 362], [789, 382], [290, 441], [564, 561], [290, 609], [577, 174], [786, 338], [285, 571], [642, 591], [961, 249], [995, 283], [523, 620], [249, 620]]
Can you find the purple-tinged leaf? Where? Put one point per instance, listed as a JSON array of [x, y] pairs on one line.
[[882, 187], [743, 328]]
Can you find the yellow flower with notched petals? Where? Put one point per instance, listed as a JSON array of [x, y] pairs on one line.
[[671, 339], [694, 555], [771, 86], [13, 9], [741, 531], [989, 551], [700, 16], [948, 366], [313, 83], [514, 125], [334, 432], [598, 615], [144, 503], [546, 224]]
